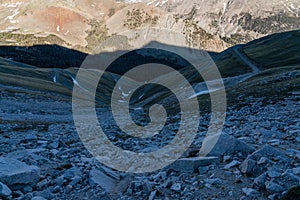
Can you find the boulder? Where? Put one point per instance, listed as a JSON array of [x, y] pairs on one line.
[[253, 165], [268, 152], [16, 174], [191, 165], [111, 182], [98, 177], [228, 145]]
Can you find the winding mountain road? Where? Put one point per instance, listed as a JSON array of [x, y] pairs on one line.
[[246, 59]]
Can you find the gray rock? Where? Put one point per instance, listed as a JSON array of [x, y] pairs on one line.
[[250, 192], [4, 191], [27, 189], [160, 175], [14, 173], [190, 165], [176, 187], [18, 193], [171, 180], [111, 173], [293, 153], [228, 145], [274, 187], [54, 145], [232, 164], [42, 184], [38, 198], [71, 173], [97, 177], [47, 194], [27, 154], [273, 173], [226, 158], [273, 196], [260, 180], [251, 167], [57, 189], [275, 142], [31, 136], [213, 181], [59, 181], [268, 152], [69, 188], [288, 180], [203, 170], [27, 196], [296, 170], [108, 183], [152, 195], [262, 160], [75, 180]]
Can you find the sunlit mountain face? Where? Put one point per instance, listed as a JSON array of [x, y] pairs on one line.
[[210, 25], [91, 108]]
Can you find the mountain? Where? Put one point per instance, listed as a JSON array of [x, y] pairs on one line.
[[256, 156], [257, 61], [211, 25], [89, 110]]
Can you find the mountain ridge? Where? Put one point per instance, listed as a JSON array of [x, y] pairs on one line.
[[81, 25]]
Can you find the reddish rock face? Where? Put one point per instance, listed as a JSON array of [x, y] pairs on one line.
[[60, 20]]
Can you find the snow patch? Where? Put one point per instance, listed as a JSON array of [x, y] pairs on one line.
[[12, 5], [147, 2], [11, 17]]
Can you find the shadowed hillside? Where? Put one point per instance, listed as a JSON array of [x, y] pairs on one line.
[[44, 56], [266, 60]]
